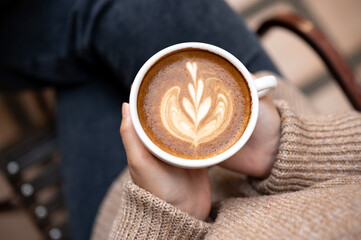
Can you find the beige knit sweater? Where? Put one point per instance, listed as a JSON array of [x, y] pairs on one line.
[[313, 192]]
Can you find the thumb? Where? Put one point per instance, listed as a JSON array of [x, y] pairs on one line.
[[126, 126], [134, 148]]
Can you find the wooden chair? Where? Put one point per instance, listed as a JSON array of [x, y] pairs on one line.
[[334, 62]]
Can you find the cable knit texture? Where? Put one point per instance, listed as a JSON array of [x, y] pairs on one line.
[[313, 192], [144, 216], [314, 149]]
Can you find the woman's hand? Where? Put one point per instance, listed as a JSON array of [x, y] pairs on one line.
[[186, 189], [257, 156]]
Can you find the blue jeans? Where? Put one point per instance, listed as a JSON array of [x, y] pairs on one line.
[[90, 53]]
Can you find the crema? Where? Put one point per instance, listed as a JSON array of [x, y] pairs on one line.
[[194, 104]]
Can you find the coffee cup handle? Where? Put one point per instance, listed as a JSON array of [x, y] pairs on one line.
[[265, 84]]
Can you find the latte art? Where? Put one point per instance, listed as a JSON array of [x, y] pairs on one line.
[[193, 104], [185, 118]]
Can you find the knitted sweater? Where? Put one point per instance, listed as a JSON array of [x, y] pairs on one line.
[[313, 192]]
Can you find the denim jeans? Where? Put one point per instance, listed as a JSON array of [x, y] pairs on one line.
[[90, 52]]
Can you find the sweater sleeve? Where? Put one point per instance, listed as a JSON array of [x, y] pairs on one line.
[[144, 216], [313, 149]]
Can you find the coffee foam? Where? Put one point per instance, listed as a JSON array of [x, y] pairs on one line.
[[183, 118], [194, 104]]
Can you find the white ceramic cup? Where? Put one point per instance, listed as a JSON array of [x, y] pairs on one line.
[[258, 88]]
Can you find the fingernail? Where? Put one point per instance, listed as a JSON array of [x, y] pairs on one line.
[[125, 110]]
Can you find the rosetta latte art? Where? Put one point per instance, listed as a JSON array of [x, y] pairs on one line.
[[197, 118]]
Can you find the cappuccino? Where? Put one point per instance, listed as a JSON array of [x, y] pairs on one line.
[[194, 104]]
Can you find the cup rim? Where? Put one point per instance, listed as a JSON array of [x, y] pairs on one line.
[[193, 163]]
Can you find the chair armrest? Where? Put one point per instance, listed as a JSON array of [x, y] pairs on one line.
[[334, 62]]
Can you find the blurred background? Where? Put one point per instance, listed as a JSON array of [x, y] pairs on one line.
[[28, 114]]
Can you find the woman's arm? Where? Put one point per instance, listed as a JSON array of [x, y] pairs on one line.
[[314, 149], [168, 201]]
